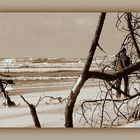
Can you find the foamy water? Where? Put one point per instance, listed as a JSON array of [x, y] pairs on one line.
[[8, 65], [42, 69]]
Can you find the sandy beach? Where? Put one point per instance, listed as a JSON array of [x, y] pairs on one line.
[[40, 77], [50, 113], [52, 81]]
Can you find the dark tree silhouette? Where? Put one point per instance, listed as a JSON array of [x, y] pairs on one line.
[[8, 102], [107, 76], [33, 112], [83, 77]]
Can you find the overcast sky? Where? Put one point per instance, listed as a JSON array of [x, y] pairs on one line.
[[55, 34]]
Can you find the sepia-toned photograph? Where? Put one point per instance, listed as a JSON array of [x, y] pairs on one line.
[[71, 70]]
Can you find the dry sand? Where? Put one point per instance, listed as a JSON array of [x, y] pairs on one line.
[[50, 115]]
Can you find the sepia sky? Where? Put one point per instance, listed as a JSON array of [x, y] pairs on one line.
[[55, 34]]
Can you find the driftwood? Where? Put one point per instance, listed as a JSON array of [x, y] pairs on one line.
[[33, 112], [51, 99]]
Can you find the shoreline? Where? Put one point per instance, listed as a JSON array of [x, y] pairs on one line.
[[25, 87], [46, 89]]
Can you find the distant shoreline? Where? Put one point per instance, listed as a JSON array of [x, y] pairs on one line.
[[44, 89]]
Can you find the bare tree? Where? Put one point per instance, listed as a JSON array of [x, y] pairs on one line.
[[109, 77], [84, 76]]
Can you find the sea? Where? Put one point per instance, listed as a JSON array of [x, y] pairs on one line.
[[36, 74]]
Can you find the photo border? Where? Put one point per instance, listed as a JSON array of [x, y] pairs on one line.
[[69, 6]]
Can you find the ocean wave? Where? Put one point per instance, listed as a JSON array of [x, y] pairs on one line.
[[45, 64], [40, 78], [10, 61], [14, 64]]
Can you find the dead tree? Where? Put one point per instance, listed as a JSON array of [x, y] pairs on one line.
[[8, 102], [105, 110], [33, 112], [107, 76], [83, 77]]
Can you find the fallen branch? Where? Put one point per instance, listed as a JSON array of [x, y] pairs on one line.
[[114, 76], [51, 98]]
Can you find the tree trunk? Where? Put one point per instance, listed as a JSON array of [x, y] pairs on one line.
[[8, 101], [83, 77], [34, 116], [33, 113]]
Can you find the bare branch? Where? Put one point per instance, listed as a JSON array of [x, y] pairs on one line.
[[25, 100], [114, 76], [132, 33]]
